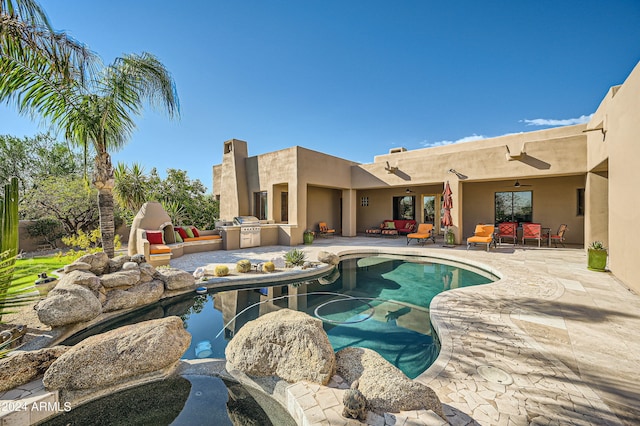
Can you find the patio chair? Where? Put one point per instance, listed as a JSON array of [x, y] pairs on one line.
[[559, 237], [423, 233], [531, 231], [507, 230], [482, 235], [324, 230]]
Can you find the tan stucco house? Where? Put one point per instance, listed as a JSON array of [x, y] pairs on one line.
[[585, 176]]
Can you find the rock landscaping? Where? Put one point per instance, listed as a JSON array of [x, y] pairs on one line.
[[95, 284], [288, 344]]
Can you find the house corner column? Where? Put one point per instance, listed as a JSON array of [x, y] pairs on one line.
[[349, 204]]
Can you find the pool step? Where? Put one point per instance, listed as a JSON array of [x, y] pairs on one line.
[[28, 404]]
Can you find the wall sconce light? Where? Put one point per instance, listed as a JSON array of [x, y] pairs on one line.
[[408, 191]]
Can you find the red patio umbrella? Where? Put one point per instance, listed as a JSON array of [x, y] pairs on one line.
[[447, 205]]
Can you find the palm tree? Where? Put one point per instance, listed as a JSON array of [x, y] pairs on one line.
[[101, 120], [131, 186], [32, 54], [95, 112]]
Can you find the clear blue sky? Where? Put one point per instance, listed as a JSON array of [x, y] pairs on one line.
[[354, 78]]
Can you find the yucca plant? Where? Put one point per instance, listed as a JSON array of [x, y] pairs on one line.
[[295, 257]]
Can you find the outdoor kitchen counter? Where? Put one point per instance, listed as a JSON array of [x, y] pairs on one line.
[[269, 235]]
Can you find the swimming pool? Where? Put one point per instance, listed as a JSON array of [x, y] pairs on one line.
[[379, 302]]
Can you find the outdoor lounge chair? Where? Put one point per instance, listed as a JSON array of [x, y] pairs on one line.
[[424, 232], [559, 237], [507, 230], [482, 235], [324, 230], [531, 231]]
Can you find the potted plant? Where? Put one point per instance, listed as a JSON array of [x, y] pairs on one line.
[[308, 236], [450, 237], [597, 256]]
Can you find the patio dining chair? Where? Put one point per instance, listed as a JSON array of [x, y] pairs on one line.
[[531, 231], [325, 231], [559, 237], [507, 230]]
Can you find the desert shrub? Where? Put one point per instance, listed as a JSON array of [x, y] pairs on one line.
[[243, 265], [295, 257], [268, 267], [221, 270], [86, 243], [49, 230]]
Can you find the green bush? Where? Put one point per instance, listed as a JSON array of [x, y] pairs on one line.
[[243, 266], [50, 230], [85, 243]]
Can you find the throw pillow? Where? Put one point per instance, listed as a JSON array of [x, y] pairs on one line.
[[155, 237], [178, 237], [195, 231], [189, 232], [181, 231], [389, 225]]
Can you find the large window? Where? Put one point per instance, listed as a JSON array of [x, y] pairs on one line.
[[580, 206], [514, 206], [429, 209], [404, 207], [260, 205]]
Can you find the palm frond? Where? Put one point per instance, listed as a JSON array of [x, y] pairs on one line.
[[28, 10]]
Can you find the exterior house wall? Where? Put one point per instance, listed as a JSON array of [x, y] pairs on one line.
[[622, 125]]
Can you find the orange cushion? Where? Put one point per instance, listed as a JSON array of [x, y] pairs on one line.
[[203, 238], [158, 249], [477, 239], [420, 236]]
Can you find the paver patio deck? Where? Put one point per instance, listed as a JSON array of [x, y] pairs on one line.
[[549, 343]]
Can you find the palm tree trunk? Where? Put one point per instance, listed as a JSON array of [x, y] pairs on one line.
[[104, 181]]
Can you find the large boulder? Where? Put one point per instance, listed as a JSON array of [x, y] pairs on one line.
[[289, 344], [124, 278], [68, 304], [76, 266], [140, 295], [99, 262], [23, 367], [175, 279], [80, 277], [328, 257], [118, 355], [147, 272], [385, 387]]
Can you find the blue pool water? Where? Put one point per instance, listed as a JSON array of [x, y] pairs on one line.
[[376, 302]]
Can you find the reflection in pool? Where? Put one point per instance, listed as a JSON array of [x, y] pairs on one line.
[[189, 400], [377, 302]]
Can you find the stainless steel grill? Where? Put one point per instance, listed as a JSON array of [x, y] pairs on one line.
[[249, 230]]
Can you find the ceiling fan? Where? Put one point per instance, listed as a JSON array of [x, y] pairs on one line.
[[517, 184]]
